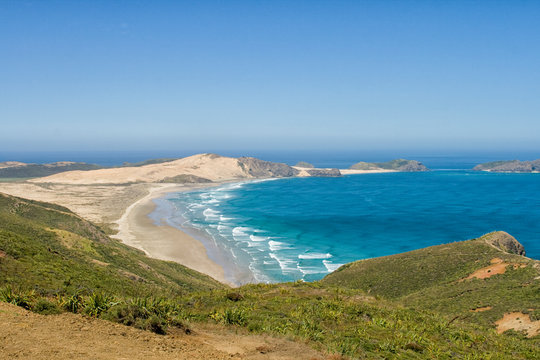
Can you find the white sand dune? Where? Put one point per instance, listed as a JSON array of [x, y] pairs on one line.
[[209, 166]]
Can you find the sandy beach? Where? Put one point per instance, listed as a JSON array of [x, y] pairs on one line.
[[163, 241]]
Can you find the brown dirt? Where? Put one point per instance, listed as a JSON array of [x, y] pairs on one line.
[[481, 309], [519, 322], [498, 267], [26, 335]]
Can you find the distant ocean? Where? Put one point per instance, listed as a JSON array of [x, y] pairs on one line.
[[304, 228]]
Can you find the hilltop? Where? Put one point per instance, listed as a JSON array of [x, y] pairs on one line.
[[510, 166], [53, 261]]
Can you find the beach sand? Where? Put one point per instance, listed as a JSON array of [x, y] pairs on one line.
[[162, 241]]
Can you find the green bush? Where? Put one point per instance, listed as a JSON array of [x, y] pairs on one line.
[[232, 316], [72, 303], [97, 303], [17, 297], [46, 307]]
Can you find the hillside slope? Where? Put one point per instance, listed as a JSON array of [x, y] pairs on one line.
[[455, 279], [48, 248]]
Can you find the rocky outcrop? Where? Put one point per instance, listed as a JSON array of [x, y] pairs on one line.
[[505, 242], [261, 168], [396, 165], [304, 164], [510, 166]]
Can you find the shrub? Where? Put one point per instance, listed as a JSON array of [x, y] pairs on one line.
[[17, 297], [97, 303], [235, 296], [72, 303], [153, 323], [46, 307], [232, 316]]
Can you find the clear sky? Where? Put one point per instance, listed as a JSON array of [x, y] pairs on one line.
[[124, 75]]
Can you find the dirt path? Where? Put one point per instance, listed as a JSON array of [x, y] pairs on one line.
[[25, 335]]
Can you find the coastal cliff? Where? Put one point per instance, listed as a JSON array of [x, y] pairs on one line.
[[395, 165], [510, 166]]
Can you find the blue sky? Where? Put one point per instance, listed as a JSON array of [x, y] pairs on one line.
[[122, 75]]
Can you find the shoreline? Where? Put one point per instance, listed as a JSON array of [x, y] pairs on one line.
[[163, 241], [160, 239]]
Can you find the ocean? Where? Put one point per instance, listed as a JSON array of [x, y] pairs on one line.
[[304, 228]]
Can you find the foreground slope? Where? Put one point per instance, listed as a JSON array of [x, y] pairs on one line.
[[50, 249], [52, 261], [478, 280], [71, 336]]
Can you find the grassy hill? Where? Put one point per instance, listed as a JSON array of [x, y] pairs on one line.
[[437, 278], [49, 249], [52, 260]]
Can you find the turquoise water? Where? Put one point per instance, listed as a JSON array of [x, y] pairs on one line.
[[304, 228]]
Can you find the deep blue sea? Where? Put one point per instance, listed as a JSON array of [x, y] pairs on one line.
[[304, 228]]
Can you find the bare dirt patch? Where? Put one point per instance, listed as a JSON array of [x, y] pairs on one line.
[[66, 336], [482, 309], [519, 322], [498, 267]]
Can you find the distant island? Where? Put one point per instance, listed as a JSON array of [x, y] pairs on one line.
[[396, 165], [513, 166], [304, 164]]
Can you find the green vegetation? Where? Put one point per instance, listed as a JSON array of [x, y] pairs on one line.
[[53, 251], [432, 278], [395, 307], [40, 170]]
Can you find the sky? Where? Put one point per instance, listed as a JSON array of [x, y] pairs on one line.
[[341, 75]]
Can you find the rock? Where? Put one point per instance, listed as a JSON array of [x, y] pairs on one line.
[[509, 166], [397, 165], [506, 242], [304, 164], [260, 168]]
